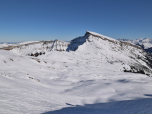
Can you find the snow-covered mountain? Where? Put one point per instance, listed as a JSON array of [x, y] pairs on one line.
[[145, 43], [89, 70], [3, 45], [113, 51]]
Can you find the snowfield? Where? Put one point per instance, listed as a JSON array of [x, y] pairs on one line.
[[87, 78]]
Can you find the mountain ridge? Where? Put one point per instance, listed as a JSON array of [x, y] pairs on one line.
[[109, 49]]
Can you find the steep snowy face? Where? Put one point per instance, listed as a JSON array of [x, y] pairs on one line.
[[113, 51], [39, 48]]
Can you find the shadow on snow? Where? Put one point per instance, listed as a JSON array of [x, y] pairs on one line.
[[139, 106]]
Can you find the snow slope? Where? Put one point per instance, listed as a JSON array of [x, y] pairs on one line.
[[91, 71], [57, 80]]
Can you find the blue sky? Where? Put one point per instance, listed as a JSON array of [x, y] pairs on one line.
[[24, 20]]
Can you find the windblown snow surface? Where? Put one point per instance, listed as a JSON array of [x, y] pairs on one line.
[[87, 78]]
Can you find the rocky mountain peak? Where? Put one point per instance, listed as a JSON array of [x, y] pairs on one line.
[[113, 51]]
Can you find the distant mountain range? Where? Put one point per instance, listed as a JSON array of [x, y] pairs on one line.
[[145, 43]]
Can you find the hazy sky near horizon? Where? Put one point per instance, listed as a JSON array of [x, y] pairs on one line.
[[24, 20]]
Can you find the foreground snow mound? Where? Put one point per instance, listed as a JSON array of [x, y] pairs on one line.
[[39, 47], [114, 51]]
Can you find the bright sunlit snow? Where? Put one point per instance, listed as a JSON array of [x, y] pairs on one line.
[[90, 71]]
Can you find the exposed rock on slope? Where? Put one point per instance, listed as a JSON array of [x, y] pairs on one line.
[[114, 51]]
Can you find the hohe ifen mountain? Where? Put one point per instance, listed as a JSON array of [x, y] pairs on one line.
[[131, 57]]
